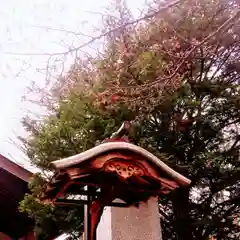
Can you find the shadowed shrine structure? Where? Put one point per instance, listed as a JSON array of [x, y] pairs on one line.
[[121, 182], [13, 186]]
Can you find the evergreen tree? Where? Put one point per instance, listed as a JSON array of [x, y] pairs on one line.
[[175, 74]]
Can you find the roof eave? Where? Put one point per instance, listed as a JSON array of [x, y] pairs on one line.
[[110, 146]]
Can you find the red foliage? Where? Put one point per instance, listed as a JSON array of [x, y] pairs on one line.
[[114, 98]]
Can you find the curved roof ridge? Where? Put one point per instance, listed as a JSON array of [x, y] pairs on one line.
[[110, 146]]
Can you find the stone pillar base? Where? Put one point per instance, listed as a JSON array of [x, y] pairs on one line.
[[131, 223]]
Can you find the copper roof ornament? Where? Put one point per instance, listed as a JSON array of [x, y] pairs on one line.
[[119, 169]]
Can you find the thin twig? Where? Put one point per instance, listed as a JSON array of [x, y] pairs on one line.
[[206, 39], [63, 30], [104, 34]]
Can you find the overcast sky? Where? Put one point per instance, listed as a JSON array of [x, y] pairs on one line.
[[23, 30]]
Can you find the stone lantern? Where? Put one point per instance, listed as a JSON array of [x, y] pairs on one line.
[[122, 183]]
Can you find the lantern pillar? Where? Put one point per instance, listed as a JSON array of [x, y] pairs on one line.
[[132, 223]]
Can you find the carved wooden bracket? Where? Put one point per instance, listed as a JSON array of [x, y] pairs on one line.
[[124, 168]]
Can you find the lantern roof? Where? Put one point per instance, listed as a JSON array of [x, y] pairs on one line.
[[104, 148]]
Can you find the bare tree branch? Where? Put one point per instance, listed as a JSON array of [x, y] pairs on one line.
[[63, 30], [104, 34], [189, 53]]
